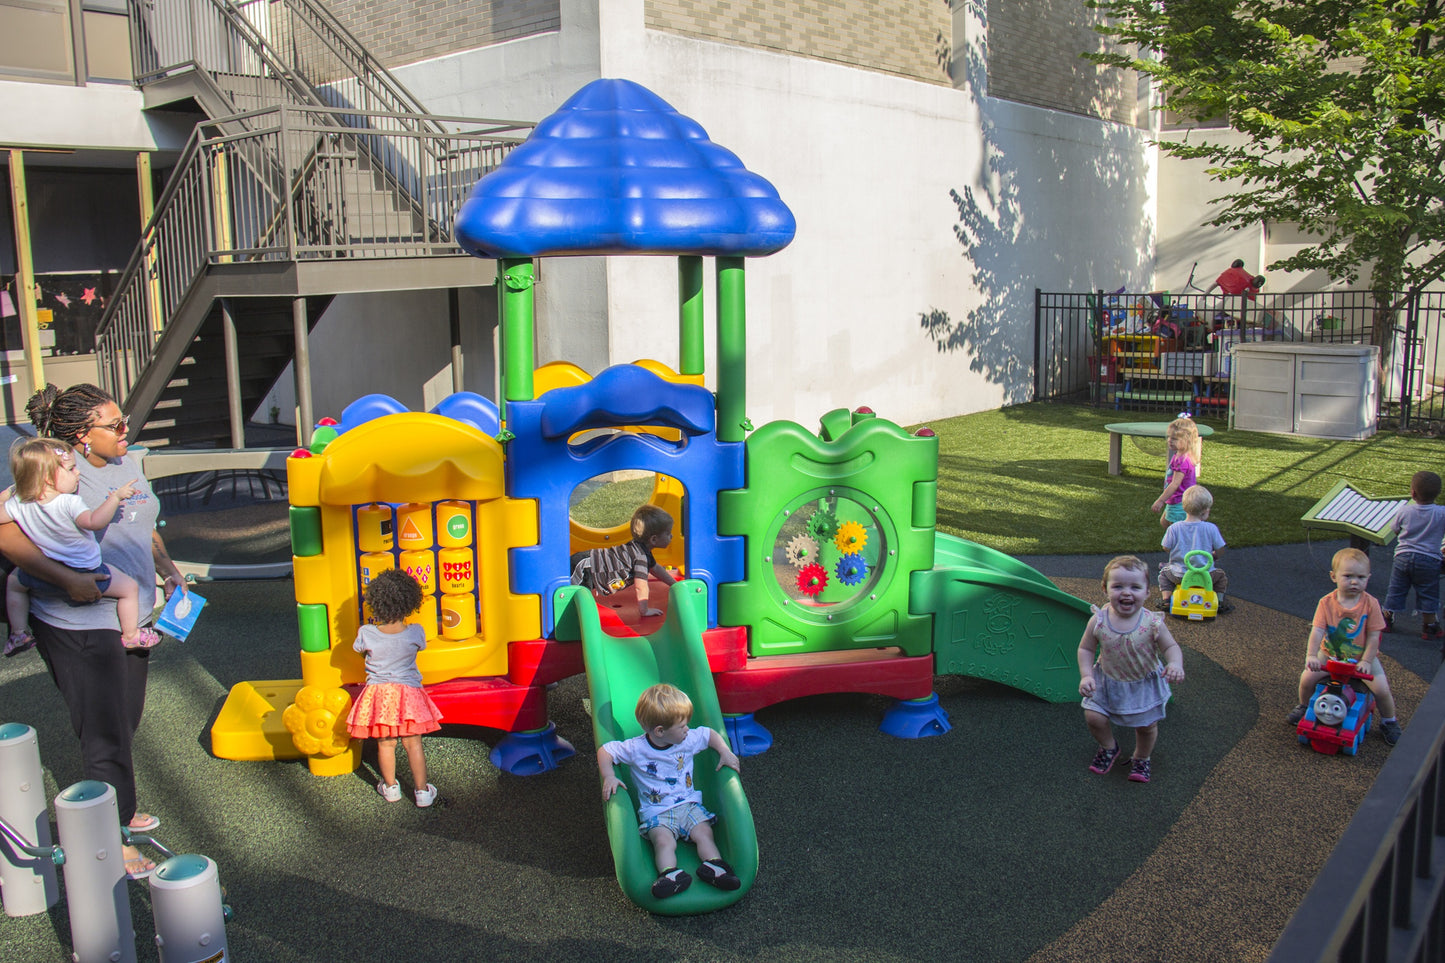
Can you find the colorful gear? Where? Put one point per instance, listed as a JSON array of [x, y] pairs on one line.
[[812, 580], [823, 525], [802, 550], [851, 538], [851, 569]]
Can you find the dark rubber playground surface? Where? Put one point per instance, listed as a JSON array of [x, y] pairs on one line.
[[992, 842]]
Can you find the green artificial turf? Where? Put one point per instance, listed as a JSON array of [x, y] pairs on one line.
[[1033, 480]]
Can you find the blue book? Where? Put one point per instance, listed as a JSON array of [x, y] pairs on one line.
[[180, 614]]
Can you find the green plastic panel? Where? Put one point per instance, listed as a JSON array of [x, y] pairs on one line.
[[618, 670], [996, 618], [315, 626], [868, 475], [305, 531]]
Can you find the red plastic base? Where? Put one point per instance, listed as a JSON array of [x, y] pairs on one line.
[[492, 702], [772, 679]]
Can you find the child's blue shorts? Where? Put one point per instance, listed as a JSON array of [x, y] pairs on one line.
[[39, 586], [679, 820]]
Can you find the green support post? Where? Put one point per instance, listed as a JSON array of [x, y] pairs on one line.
[[732, 350], [515, 278], [314, 625], [692, 353], [305, 531]]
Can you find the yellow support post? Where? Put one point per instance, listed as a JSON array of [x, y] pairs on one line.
[[25, 293], [221, 204], [147, 210]]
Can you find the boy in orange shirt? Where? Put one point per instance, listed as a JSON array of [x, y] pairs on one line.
[[1349, 621]]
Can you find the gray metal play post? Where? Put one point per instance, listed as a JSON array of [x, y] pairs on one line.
[[27, 858]]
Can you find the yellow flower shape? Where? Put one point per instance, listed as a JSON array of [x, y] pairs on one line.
[[317, 720], [850, 538]]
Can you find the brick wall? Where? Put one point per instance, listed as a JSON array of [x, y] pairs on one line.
[[905, 37], [403, 33], [1033, 58]]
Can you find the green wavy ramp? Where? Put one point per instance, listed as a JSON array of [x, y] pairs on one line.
[[996, 618], [618, 670]]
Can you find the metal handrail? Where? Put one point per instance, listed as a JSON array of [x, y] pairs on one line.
[[1381, 895], [216, 208]]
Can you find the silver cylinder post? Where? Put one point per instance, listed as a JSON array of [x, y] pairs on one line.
[[27, 879], [88, 820], [190, 918]]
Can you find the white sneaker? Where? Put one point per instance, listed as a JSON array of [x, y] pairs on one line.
[[390, 793], [424, 797]]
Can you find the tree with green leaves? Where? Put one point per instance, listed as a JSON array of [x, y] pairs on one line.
[[1339, 104]]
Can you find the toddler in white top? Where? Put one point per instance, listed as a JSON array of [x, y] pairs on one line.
[[44, 503]]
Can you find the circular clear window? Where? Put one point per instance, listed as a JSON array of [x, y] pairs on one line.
[[827, 551]]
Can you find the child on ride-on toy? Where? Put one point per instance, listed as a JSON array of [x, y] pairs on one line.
[[1195, 534], [1347, 625]]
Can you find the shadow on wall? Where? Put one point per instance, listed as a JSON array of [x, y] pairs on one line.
[[1038, 217]]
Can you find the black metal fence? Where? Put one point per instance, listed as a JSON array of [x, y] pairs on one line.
[[1150, 351], [1381, 894]]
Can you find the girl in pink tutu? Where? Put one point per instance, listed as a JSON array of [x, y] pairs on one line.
[[394, 705]]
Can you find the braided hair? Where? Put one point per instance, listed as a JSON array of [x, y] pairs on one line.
[[65, 414]]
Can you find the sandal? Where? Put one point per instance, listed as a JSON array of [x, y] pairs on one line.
[[139, 867], [143, 823], [144, 639], [18, 642]]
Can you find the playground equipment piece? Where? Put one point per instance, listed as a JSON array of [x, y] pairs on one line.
[[1364, 518], [619, 668], [812, 560], [1195, 598], [28, 883], [1338, 715]]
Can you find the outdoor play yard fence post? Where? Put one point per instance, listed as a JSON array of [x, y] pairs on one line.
[[27, 858]]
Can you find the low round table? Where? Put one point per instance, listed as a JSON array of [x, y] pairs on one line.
[[1141, 429]]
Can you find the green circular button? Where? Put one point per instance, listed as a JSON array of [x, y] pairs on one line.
[[85, 790], [183, 867]]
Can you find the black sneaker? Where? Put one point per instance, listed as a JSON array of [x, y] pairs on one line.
[[1295, 715], [671, 883], [722, 877], [1391, 731], [1432, 632], [1225, 607]]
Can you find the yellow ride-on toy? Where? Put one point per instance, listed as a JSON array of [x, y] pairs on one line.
[[1195, 598]]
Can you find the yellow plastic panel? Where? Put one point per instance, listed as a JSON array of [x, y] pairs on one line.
[[411, 457], [249, 726], [558, 374], [303, 481], [342, 665], [443, 659]]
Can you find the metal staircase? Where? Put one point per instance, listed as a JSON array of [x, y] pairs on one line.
[[314, 174]]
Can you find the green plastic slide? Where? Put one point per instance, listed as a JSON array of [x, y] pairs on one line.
[[618, 670]]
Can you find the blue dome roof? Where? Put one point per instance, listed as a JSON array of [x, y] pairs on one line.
[[617, 170]]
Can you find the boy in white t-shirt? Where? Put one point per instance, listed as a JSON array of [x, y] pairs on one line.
[[670, 807], [1195, 534]]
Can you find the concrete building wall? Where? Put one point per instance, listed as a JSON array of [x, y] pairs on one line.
[[894, 293], [1034, 49], [403, 33], [397, 344], [904, 37]]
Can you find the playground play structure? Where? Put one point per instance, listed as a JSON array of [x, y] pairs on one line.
[[811, 560]]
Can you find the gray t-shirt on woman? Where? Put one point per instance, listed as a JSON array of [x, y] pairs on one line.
[[125, 543]]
